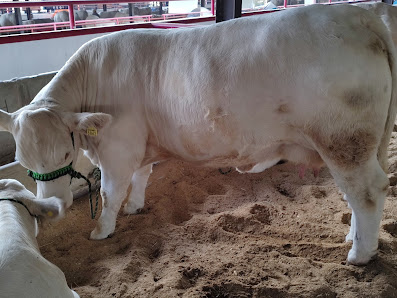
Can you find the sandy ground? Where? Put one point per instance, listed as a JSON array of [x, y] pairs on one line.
[[204, 234]]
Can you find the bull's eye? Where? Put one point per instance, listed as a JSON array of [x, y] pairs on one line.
[[67, 155]]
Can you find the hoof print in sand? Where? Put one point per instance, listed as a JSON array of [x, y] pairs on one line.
[[391, 228], [189, 277]]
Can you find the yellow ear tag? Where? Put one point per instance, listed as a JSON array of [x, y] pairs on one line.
[[50, 214], [92, 131]]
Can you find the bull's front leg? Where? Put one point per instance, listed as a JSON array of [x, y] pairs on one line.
[[116, 174], [113, 191], [136, 199]]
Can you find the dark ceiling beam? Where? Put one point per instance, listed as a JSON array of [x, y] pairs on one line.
[[227, 10]]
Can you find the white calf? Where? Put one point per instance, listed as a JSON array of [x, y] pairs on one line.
[[24, 272]]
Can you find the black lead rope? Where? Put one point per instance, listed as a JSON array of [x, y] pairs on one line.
[[78, 175], [19, 202], [224, 172]]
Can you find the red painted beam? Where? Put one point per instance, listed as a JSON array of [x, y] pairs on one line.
[[67, 3]]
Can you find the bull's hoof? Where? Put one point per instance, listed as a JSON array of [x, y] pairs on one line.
[[349, 237], [132, 208], [359, 259], [96, 235]]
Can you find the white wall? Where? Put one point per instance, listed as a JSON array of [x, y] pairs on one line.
[[29, 58], [247, 4], [182, 6]]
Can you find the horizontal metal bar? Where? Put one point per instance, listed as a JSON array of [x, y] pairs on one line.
[[69, 33], [66, 3], [169, 25], [94, 30]]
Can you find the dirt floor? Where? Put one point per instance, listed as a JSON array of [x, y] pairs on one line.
[[204, 234]]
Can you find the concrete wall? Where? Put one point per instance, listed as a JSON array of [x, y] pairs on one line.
[[15, 94], [29, 58]]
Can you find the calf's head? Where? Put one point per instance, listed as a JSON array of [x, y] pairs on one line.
[[47, 143], [50, 208]]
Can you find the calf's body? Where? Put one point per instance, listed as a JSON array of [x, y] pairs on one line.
[[24, 272]]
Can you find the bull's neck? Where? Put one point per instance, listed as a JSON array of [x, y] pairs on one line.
[[17, 226], [67, 88]]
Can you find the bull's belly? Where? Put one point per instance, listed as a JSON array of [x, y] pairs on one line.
[[259, 159], [244, 151]]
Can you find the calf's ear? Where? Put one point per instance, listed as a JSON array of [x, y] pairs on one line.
[[47, 209], [5, 121], [88, 123]]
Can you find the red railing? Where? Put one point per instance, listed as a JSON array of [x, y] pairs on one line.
[[35, 31], [70, 4], [31, 28]]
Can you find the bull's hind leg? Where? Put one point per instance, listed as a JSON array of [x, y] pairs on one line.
[[365, 188], [350, 235], [136, 199]]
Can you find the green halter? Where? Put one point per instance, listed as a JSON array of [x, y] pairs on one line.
[[68, 170], [51, 176]]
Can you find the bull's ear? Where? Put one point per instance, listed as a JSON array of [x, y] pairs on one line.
[[47, 209], [5, 121], [89, 123]]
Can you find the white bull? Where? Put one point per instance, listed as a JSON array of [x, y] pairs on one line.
[[24, 272], [312, 85]]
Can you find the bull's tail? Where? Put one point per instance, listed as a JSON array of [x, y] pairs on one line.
[[391, 114]]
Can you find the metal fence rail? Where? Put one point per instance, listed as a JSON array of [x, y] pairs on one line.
[[30, 32]]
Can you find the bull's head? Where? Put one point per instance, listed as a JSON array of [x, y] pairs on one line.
[[47, 144]]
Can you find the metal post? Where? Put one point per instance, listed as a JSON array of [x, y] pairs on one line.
[[18, 19], [228, 9], [71, 16], [105, 8], [213, 7], [28, 12], [130, 9], [238, 8], [161, 8]]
